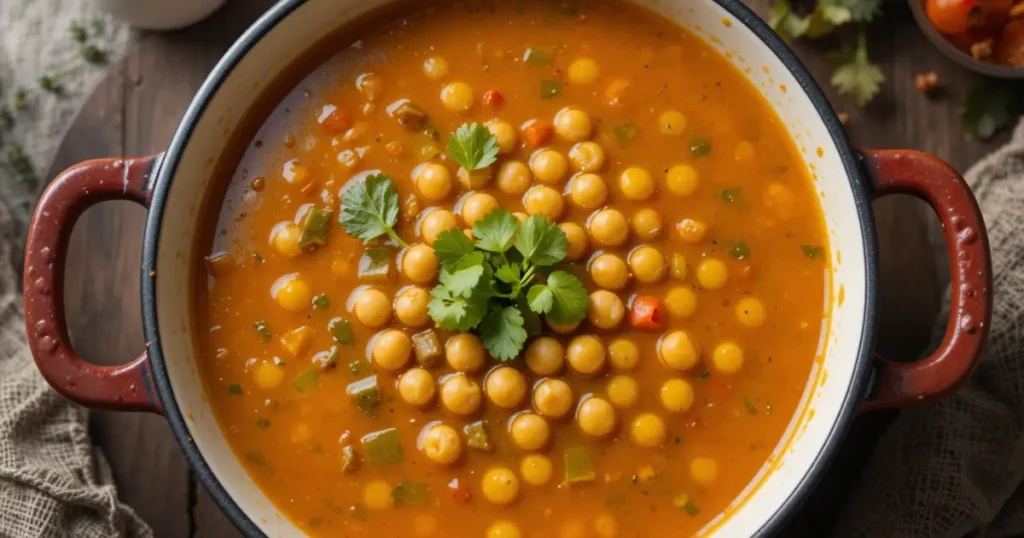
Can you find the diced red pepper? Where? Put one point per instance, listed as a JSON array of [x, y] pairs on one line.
[[538, 132], [460, 492], [645, 313], [493, 99], [333, 120]]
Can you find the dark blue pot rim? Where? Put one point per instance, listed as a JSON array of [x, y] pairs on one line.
[[163, 181]]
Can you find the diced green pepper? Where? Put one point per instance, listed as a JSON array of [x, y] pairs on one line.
[[321, 302], [349, 459], [812, 251], [359, 367], [538, 56], [383, 447], [327, 359], [477, 436], [550, 88], [316, 224], [366, 395], [410, 493], [427, 348], [375, 264], [306, 380], [341, 331], [624, 132], [700, 147], [578, 466]]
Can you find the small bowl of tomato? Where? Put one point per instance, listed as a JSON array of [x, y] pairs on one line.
[[986, 36]]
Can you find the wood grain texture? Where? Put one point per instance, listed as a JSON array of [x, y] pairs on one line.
[[138, 106]]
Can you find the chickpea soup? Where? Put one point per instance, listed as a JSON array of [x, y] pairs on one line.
[[507, 269]]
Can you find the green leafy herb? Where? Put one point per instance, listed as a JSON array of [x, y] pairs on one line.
[[812, 251], [990, 105], [93, 54], [473, 146], [495, 232], [51, 84], [856, 76], [321, 302], [369, 208], [538, 56], [739, 251], [700, 147], [261, 328], [728, 195], [624, 132], [563, 298], [78, 33], [450, 247], [550, 88], [235, 389], [502, 333], [540, 241]]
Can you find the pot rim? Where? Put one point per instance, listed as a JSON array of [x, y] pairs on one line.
[[163, 181]]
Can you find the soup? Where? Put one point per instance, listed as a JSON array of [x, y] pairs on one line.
[[512, 269]]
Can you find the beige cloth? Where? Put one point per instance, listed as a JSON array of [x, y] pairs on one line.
[[954, 467]]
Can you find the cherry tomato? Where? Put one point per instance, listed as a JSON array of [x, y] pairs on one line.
[[958, 16], [493, 99]]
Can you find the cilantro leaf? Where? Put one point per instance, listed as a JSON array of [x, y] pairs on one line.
[[856, 76], [502, 333], [463, 278], [563, 298], [540, 241], [456, 313], [508, 273], [785, 22], [369, 208], [495, 232], [990, 104], [451, 246], [473, 146]]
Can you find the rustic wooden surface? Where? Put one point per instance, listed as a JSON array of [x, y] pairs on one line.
[[135, 110]]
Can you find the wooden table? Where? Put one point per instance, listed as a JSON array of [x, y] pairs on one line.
[[135, 110]]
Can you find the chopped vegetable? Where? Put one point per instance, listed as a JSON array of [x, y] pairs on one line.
[[349, 459], [294, 341], [550, 88], [460, 492], [493, 99], [327, 359], [856, 76], [700, 147], [359, 367], [316, 224], [645, 313], [739, 251], [383, 447], [538, 132], [321, 302], [427, 348], [408, 115], [578, 466], [538, 56], [410, 493], [261, 327], [235, 389], [305, 380], [366, 395], [473, 146], [812, 251], [369, 208], [341, 331], [624, 132], [477, 436], [375, 264]]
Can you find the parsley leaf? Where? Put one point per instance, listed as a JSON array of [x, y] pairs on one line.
[[495, 232], [369, 208], [502, 333], [451, 246], [473, 146], [508, 273], [785, 22], [541, 241], [990, 105], [456, 313], [563, 298], [462, 278], [856, 76]]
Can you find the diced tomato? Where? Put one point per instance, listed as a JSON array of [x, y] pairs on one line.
[[333, 120], [538, 132], [307, 189], [460, 492], [493, 99], [645, 313]]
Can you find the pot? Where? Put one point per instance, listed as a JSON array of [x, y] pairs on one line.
[[174, 185]]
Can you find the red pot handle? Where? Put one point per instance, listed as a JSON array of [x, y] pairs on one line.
[[932, 180], [127, 387]]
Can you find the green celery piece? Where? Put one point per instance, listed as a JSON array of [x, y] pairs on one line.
[[349, 459], [375, 264], [327, 359], [305, 381], [366, 395], [476, 435], [538, 56], [427, 348], [383, 447], [410, 493], [578, 466], [316, 224], [341, 331]]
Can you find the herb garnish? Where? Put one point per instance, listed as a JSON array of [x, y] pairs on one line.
[[473, 146], [369, 209]]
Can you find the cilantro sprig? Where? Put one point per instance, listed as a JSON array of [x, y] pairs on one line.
[[499, 283], [473, 146], [370, 207]]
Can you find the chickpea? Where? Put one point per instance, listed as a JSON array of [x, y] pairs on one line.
[[460, 394], [411, 306], [442, 444], [692, 230], [648, 224], [609, 271], [676, 395], [586, 157], [648, 430], [704, 471], [268, 375], [292, 293], [514, 177], [576, 238], [377, 495], [465, 353], [595, 417], [530, 431], [435, 222], [416, 387], [648, 264], [505, 134], [672, 122], [372, 308], [606, 527], [433, 181], [503, 529], [500, 486], [583, 71], [419, 264], [608, 227], [392, 350], [545, 356], [682, 179], [586, 354], [457, 97], [744, 152], [727, 357], [562, 329], [435, 67], [477, 206], [552, 398], [588, 191], [544, 201], [623, 391], [536, 469], [605, 310], [681, 301], [285, 237], [712, 273], [572, 125], [750, 312], [505, 387], [474, 179], [678, 351], [623, 354], [548, 165], [636, 184]]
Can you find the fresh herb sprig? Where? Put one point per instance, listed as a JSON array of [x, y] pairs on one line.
[[370, 207], [473, 146]]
